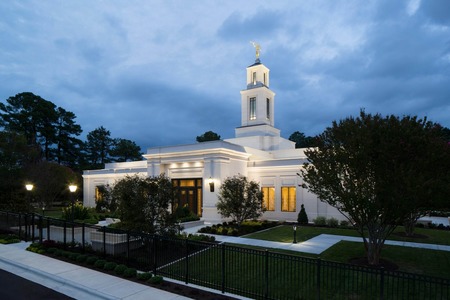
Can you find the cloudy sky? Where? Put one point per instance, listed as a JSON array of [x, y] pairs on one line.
[[163, 72]]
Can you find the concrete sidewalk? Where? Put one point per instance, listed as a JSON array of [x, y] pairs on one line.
[[73, 280], [316, 245]]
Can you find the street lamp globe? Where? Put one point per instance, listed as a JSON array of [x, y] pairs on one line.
[[72, 188], [29, 187]]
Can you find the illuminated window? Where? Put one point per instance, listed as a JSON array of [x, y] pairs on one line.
[[253, 108], [269, 198], [265, 79], [268, 108], [254, 77], [288, 198]]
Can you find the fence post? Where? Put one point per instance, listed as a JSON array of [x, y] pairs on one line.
[[382, 283], [266, 275], [32, 227], [318, 277], [65, 234], [155, 240], [48, 229], [104, 241], [128, 246], [223, 268], [20, 226], [26, 227], [187, 261], [41, 230], [83, 236]]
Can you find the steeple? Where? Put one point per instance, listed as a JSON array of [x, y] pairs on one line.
[[257, 112], [257, 100]]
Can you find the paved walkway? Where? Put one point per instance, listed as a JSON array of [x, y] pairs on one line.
[[316, 245], [73, 280]]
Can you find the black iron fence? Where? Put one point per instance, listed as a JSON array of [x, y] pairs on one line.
[[248, 272]]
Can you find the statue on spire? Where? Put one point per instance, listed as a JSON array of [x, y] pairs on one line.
[[257, 48]]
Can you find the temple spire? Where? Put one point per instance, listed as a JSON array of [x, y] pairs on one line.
[[257, 49]]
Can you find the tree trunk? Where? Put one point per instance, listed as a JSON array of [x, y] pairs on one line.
[[373, 250]]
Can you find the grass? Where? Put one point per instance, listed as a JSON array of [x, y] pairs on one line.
[[285, 234], [412, 260]]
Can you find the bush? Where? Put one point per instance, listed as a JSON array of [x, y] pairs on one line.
[[82, 258], [100, 263], [74, 256], [344, 223], [332, 222], [59, 252], [109, 266], [91, 260], [144, 276], [129, 273], [320, 221], [156, 279], [119, 269], [79, 212], [52, 250], [302, 216]]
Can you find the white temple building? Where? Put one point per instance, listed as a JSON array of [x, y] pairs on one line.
[[257, 152]]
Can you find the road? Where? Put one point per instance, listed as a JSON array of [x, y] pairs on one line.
[[13, 287]]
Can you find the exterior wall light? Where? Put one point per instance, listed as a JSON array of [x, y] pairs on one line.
[[211, 184]]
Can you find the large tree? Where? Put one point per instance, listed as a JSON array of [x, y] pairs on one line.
[[377, 170], [301, 140], [98, 146], [14, 155], [240, 199], [143, 203], [33, 116], [50, 182], [68, 147], [208, 136], [125, 150]]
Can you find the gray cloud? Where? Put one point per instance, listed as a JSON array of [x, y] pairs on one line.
[[162, 73]]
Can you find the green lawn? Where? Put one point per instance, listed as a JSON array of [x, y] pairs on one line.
[[285, 234], [413, 260]]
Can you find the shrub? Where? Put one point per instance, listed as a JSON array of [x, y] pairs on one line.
[[129, 272], [74, 256], [91, 260], [79, 212], [82, 258], [119, 269], [109, 266], [320, 221], [332, 222], [52, 250], [40, 251], [100, 263], [144, 276], [156, 279], [344, 223], [302, 216], [59, 252]]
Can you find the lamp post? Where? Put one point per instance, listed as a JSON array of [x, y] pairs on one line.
[[72, 189], [295, 233], [29, 187]]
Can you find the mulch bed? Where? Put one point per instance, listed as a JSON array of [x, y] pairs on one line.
[[362, 261]]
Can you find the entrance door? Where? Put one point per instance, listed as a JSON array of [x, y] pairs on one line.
[[190, 194]]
